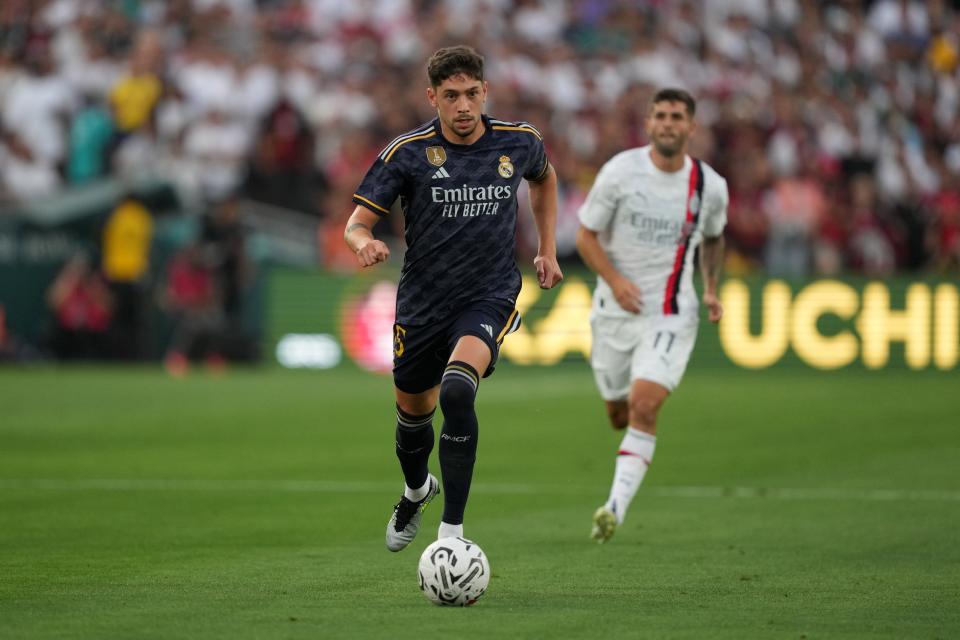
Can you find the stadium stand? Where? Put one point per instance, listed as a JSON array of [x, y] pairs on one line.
[[836, 123]]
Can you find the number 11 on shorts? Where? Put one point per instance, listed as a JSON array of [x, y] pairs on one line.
[[667, 338]]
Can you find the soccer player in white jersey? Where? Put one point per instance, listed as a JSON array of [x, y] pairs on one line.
[[640, 226]]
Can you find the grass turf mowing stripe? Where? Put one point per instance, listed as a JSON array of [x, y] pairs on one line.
[[334, 486]]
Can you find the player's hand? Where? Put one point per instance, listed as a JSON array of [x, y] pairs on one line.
[[714, 308], [373, 252], [548, 271], [627, 295]]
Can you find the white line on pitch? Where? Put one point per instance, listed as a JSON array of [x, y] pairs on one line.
[[336, 486]]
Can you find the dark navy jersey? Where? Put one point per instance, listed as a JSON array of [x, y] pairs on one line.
[[460, 212]]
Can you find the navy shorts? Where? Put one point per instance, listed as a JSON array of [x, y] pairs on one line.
[[421, 352]]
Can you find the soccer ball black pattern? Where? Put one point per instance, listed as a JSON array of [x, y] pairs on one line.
[[453, 572]]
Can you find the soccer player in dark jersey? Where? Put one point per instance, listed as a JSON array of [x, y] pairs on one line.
[[456, 178]]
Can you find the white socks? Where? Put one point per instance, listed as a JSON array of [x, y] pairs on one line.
[[446, 530], [450, 530], [633, 458], [416, 495]]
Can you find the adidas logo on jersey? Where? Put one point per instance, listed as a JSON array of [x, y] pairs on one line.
[[488, 328], [440, 173]]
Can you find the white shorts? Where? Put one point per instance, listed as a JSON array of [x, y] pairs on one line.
[[640, 348]]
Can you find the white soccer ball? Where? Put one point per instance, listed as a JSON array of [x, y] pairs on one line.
[[454, 572]]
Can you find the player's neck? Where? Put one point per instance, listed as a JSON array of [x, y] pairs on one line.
[[452, 137], [667, 164]]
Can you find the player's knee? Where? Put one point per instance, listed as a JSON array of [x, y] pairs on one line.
[[456, 397], [643, 413], [458, 439], [416, 406]]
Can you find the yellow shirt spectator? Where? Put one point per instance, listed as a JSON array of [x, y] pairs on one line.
[[133, 100], [943, 54], [126, 242]]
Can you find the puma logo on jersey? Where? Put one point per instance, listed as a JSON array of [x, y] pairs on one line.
[[440, 173]]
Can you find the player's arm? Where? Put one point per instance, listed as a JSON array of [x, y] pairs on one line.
[[359, 237], [711, 263], [624, 290], [715, 205], [543, 203]]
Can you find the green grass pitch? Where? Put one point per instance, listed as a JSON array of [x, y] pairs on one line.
[[779, 505]]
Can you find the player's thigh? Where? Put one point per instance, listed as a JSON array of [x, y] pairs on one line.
[[419, 357], [611, 354], [664, 351], [476, 333], [473, 351]]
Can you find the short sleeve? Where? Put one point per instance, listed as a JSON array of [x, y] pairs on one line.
[[380, 187], [597, 210], [715, 205], [538, 164]]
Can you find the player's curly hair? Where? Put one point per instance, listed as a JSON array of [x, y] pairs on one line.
[[450, 61], [675, 95]]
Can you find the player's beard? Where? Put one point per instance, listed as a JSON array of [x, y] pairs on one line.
[[465, 133], [670, 149]]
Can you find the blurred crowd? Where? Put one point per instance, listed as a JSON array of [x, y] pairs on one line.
[[836, 123], [102, 304]]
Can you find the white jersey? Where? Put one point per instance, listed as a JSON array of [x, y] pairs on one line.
[[650, 222]]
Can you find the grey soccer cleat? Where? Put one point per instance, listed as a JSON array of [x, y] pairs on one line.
[[405, 521], [604, 525]]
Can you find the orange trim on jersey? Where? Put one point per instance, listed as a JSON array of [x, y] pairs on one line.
[[506, 328], [400, 144], [372, 204], [543, 174], [528, 130]]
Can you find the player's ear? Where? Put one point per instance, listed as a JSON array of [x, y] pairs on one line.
[[432, 97], [485, 87]]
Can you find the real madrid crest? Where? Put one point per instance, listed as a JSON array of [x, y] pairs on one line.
[[436, 156], [506, 167]]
